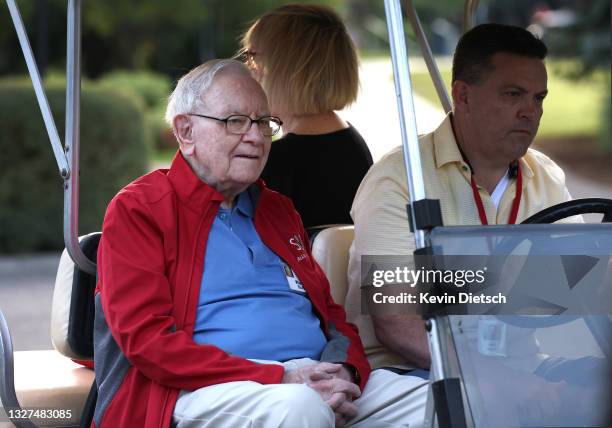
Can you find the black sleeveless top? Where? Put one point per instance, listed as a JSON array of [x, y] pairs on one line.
[[320, 173]]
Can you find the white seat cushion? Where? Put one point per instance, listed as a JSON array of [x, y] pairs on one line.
[[48, 380], [331, 250], [60, 308]]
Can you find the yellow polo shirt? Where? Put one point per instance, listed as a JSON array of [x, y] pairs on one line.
[[381, 224]]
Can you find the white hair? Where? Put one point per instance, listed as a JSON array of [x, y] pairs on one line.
[[191, 88]]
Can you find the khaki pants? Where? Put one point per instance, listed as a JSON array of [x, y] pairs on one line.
[[388, 400]]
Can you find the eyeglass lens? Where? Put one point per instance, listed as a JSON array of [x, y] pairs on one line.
[[242, 124]]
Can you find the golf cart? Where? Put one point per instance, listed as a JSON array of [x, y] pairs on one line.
[[457, 395]]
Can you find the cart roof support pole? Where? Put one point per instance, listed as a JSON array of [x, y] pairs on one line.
[[403, 91], [43, 103], [73, 96], [436, 78], [68, 160]]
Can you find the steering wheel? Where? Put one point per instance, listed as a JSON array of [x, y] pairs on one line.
[[551, 215], [572, 208]]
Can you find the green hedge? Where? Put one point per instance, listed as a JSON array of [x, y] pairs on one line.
[[113, 153], [153, 89]]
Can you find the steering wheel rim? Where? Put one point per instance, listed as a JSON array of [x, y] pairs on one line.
[[551, 215], [572, 208]]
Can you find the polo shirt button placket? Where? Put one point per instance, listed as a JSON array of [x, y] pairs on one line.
[[225, 218]]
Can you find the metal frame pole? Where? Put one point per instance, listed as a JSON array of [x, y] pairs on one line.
[[403, 90], [434, 72], [445, 404], [8, 396], [68, 160], [73, 96], [469, 10], [43, 103]]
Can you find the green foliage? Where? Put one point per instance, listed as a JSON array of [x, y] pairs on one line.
[[154, 88], [159, 132], [423, 86], [150, 89], [141, 34], [571, 109], [368, 26], [170, 37], [31, 193], [447, 9], [588, 38], [605, 135]]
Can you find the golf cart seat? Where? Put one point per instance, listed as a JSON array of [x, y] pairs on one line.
[[330, 249], [50, 379]]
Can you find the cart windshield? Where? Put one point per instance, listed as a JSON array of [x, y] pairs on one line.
[[521, 370]]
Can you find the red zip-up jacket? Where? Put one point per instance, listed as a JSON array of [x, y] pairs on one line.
[[150, 265]]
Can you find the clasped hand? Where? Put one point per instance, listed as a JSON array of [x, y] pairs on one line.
[[334, 384]]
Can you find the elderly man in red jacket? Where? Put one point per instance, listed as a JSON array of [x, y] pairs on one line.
[[210, 310]]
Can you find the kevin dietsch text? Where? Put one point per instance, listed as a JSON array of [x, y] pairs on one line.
[[447, 299]]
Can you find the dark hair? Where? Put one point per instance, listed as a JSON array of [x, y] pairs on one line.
[[472, 57]]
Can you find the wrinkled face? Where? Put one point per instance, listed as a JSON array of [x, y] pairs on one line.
[[505, 108], [228, 162]]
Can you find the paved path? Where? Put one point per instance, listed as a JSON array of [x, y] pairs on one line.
[[26, 290], [26, 283], [375, 114]]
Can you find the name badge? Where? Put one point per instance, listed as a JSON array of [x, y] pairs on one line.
[[491, 337], [293, 280]]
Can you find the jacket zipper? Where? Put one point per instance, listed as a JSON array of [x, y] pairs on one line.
[[189, 285]]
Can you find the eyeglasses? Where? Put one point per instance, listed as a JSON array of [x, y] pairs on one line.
[[248, 57], [240, 124]]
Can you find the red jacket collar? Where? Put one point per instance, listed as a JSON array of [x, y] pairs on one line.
[[191, 191]]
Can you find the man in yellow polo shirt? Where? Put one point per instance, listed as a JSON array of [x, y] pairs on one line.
[[477, 163]]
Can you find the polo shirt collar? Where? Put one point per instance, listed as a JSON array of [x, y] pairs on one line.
[[244, 204], [525, 168], [446, 148]]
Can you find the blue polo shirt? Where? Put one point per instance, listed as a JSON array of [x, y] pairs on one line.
[[249, 306]]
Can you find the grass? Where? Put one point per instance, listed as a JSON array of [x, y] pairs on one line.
[[572, 108], [421, 84]]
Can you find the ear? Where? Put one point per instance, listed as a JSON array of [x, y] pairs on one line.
[[460, 93], [183, 130]]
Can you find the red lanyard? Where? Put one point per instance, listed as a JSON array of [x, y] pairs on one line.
[[515, 204]]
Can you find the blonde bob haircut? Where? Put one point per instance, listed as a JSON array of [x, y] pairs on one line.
[[308, 60]]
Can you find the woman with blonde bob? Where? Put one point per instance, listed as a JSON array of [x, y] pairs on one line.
[[307, 64]]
